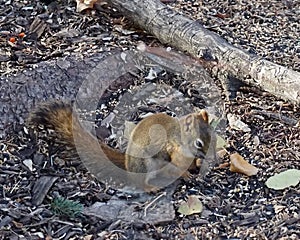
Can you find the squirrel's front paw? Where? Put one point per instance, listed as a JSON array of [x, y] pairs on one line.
[[151, 188], [187, 175]]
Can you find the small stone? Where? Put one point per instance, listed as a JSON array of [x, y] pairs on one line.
[[28, 164]]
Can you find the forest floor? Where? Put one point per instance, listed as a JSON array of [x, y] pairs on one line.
[[47, 50]]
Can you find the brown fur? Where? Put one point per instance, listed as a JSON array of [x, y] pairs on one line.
[[59, 117], [176, 147]]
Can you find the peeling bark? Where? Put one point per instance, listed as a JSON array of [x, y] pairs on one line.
[[190, 36]]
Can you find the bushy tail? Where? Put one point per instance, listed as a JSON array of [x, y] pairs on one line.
[[57, 115]]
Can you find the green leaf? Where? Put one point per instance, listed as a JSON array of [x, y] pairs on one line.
[[283, 180], [191, 206], [221, 143]]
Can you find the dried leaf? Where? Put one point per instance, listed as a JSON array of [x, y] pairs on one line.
[[191, 206], [85, 4], [237, 124], [284, 179], [240, 165]]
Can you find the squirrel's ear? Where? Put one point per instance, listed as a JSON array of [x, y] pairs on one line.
[[204, 115]]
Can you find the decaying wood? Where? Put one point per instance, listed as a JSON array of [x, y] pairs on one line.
[[41, 188], [187, 35]]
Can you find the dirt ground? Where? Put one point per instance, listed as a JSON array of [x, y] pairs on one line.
[[47, 50]]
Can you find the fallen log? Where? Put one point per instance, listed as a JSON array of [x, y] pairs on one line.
[[190, 36]]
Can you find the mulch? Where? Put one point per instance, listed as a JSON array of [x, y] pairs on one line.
[[51, 60]]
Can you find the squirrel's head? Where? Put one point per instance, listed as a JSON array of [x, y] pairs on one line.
[[196, 134]]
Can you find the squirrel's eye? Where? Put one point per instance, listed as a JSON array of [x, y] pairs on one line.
[[198, 143]]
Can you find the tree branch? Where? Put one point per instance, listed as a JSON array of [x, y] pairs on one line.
[[187, 35]]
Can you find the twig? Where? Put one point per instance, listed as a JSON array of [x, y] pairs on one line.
[[153, 201], [278, 116]]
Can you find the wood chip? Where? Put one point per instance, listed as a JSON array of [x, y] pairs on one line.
[[240, 165]]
